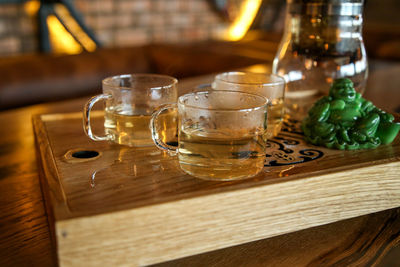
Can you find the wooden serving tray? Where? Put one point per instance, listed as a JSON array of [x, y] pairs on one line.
[[135, 206]]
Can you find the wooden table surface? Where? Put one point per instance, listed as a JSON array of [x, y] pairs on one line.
[[25, 239]]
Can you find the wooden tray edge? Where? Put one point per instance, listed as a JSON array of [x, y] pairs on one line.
[[53, 191], [182, 228]]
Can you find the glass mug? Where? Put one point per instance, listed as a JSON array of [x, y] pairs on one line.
[[269, 85], [322, 41], [130, 100], [221, 134]]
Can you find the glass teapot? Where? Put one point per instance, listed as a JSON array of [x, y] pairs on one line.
[[322, 41]]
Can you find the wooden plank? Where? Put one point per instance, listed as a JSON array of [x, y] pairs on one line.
[[172, 230], [368, 240], [135, 205]]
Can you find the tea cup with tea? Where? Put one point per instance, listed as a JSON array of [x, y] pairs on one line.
[[130, 100], [221, 134]]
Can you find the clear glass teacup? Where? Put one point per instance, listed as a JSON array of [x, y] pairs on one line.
[[221, 134], [130, 100], [268, 85]]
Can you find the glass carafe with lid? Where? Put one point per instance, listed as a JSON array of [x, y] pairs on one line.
[[322, 41]]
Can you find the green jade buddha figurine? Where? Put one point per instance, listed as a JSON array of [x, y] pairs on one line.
[[345, 120]]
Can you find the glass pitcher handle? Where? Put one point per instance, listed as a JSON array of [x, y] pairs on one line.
[[172, 150], [86, 117]]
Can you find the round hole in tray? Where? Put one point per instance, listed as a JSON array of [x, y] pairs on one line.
[[85, 154], [81, 155]]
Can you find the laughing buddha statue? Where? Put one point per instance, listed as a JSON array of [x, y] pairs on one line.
[[345, 120]]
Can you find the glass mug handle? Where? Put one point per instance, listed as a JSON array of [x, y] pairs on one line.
[[172, 150], [86, 117]]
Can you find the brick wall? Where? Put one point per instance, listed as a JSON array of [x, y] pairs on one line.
[[17, 30], [119, 23]]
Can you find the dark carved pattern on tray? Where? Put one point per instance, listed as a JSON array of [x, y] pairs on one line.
[[283, 150], [291, 126]]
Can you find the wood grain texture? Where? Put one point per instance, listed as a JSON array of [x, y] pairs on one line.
[[155, 203], [361, 241], [25, 238], [24, 234]]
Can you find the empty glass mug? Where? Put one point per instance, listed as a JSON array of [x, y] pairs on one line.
[[269, 85], [221, 134], [130, 100]]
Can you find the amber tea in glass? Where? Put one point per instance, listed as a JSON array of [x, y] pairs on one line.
[[129, 101], [269, 85], [221, 134]]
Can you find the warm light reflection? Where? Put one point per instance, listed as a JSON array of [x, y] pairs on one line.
[[247, 14], [74, 27], [31, 7], [260, 68], [61, 40]]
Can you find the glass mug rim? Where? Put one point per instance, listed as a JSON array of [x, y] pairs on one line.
[[108, 81], [113, 96], [243, 128], [223, 78], [265, 101]]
